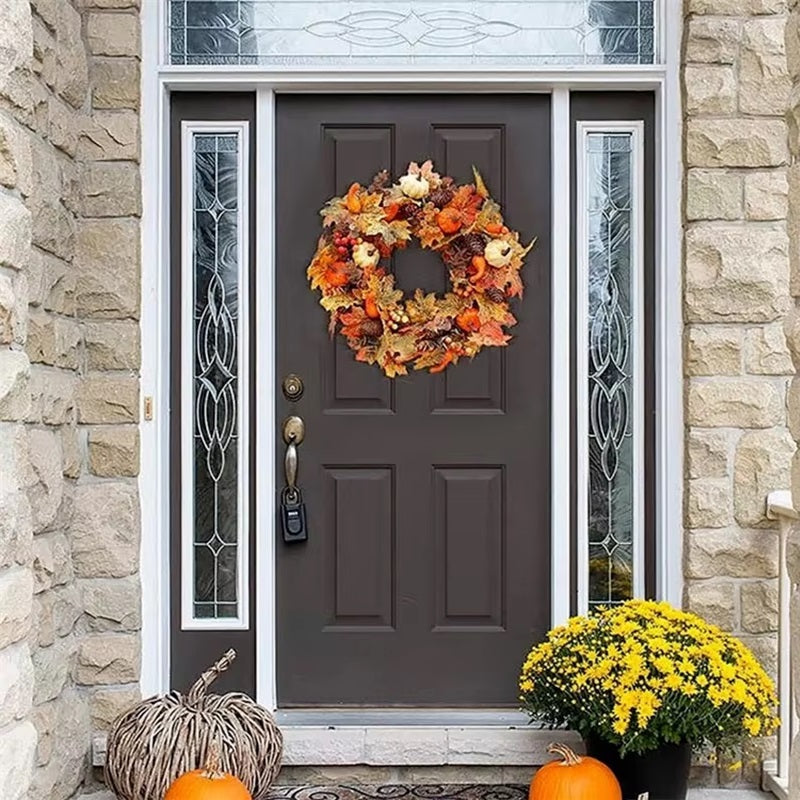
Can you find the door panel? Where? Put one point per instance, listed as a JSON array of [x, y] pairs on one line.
[[426, 574]]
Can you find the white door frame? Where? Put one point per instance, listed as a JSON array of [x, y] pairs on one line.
[[158, 81]]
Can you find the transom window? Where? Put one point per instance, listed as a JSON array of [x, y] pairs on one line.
[[423, 32]]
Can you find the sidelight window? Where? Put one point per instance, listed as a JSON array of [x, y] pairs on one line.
[[417, 32], [213, 377], [610, 365]]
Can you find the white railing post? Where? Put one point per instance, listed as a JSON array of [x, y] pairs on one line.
[[776, 774]]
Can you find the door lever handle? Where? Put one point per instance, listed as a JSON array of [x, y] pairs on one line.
[[293, 434]]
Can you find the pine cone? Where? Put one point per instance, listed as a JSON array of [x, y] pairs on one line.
[[475, 242], [441, 196], [495, 295], [379, 182], [371, 328], [459, 254]]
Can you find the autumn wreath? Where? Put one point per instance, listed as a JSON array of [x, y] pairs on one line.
[[461, 223]]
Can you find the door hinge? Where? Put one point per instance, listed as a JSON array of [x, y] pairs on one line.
[[148, 408]]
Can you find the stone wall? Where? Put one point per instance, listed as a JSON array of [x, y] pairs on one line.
[[736, 293], [69, 406]]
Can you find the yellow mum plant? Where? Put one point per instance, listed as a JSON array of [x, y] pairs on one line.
[[643, 673]]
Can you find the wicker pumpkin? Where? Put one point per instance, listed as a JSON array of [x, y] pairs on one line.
[[574, 778], [163, 738]]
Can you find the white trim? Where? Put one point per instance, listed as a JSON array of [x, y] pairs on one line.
[[158, 81], [154, 464], [266, 678], [583, 129], [669, 316], [187, 377], [560, 333]]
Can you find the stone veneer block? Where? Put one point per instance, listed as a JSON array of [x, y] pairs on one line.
[[108, 658], [115, 83], [16, 683], [714, 601], [111, 189], [759, 604], [112, 604], [112, 345], [110, 135], [15, 232], [114, 452], [16, 604], [18, 746], [734, 403], [108, 399], [105, 530], [707, 454], [731, 553], [740, 142], [113, 34]]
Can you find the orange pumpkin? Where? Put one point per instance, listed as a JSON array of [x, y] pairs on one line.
[[371, 308], [209, 783], [469, 320], [574, 777], [477, 268], [449, 220]]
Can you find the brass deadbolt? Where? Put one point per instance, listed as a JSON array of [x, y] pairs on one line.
[[293, 387]]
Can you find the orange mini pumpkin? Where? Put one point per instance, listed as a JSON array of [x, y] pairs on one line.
[[449, 220], [352, 200], [574, 778], [469, 320], [208, 783]]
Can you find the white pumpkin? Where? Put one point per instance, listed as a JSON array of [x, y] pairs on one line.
[[498, 253], [414, 186], [366, 255]]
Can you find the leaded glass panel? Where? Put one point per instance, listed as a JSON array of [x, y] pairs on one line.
[[610, 339], [215, 336], [422, 32]]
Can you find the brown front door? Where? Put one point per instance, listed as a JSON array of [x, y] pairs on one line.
[[426, 574]]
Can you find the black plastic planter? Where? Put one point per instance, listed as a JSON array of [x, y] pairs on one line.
[[663, 772]]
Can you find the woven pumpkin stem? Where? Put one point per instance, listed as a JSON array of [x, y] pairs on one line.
[[198, 691], [571, 758], [213, 768]]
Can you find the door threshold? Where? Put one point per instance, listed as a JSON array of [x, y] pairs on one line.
[[340, 737]]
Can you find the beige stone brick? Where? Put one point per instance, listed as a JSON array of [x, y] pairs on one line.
[[736, 273], [46, 489], [52, 396], [762, 464], [739, 8], [52, 565], [62, 126], [108, 658], [105, 530], [53, 226], [714, 601], [16, 529], [709, 503], [763, 77], [112, 604], [759, 605], [727, 142], [53, 340], [765, 649], [18, 743], [58, 284], [15, 232], [793, 226], [707, 453], [111, 189], [15, 370], [107, 256], [115, 83], [766, 195], [713, 194], [113, 34], [743, 403], [13, 308], [731, 553], [107, 704], [16, 604], [106, 4], [16, 683], [16, 167], [713, 350], [712, 40], [52, 667], [71, 456], [110, 135], [793, 408], [114, 452], [766, 351], [72, 69], [710, 89], [113, 345], [108, 399]]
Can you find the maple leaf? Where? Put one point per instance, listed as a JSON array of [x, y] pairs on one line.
[[381, 287], [421, 307], [494, 312], [367, 354], [467, 201], [325, 256], [429, 359], [429, 233], [351, 322], [491, 334], [337, 301]]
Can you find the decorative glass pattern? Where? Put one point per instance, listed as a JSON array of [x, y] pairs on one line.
[[421, 32], [215, 334], [611, 386]]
